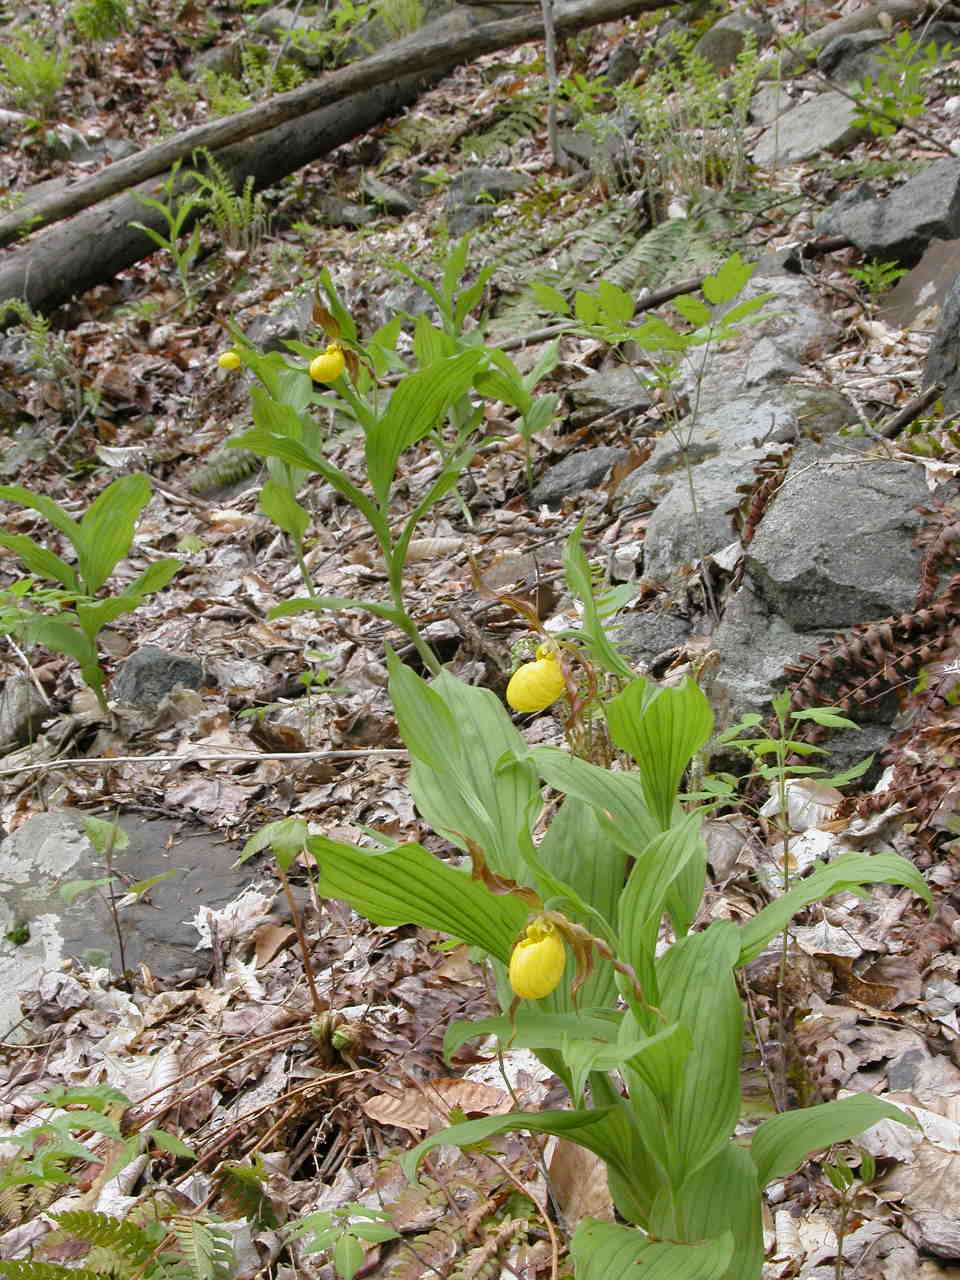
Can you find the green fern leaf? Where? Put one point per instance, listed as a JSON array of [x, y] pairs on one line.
[[207, 1249]]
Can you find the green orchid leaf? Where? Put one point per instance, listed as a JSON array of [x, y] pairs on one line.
[[607, 1251]]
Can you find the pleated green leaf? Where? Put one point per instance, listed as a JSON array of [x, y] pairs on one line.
[[459, 782], [607, 1251], [698, 989], [408, 885], [782, 1143], [617, 798], [106, 530], [531, 1029], [662, 728], [849, 871], [723, 1196]]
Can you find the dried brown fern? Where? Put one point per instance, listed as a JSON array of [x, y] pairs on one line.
[[770, 473]]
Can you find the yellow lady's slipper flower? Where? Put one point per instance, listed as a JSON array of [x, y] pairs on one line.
[[538, 961], [229, 361], [536, 685], [328, 366]]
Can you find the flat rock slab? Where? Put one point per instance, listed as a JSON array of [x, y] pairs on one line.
[[823, 123], [51, 850], [901, 225], [943, 358], [917, 299], [835, 546], [576, 472]]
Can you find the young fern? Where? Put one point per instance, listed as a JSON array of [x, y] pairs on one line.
[[238, 217]]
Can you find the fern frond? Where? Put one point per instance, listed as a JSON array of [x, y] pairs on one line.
[[207, 1249], [224, 468], [45, 1271], [515, 120], [241, 1187], [132, 1242]]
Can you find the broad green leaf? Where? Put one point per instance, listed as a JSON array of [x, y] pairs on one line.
[[104, 835], [744, 310], [49, 509], [608, 1251], [426, 723], [617, 798], [550, 299], [782, 1143], [662, 728], [62, 637], [547, 362], [94, 617], [576, 570], [656, 335], [644, 896], [828, 716], [277, 502], [268, 444], [72, 889], [618, 305], [723, 1196], [531, 1029], [540, 415], [285, 838], [660, 1060], [729, 280], [347, 1256], [692, 310], [698, 989], [171, 1143], [472, 794], [606, 1133], [154, 578], [496, 385], [455, 265], [409, 886], [336, 604], [430, 343], [106, 530], [418, 404], [39, 560], [577, 850], [849, 871]]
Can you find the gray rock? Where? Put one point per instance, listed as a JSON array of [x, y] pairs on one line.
[[472, 194], [824, 123], [769, 103], [331, 211], [150, 674], [275, 22], [943, 358], [835, 546], [792, 329], [826, 224], [678, 533], [641, 637], [901, 225], [916, 301], [22, 711], [580, 470], [617, 390], [726, 39], [624, 61], [385, 197], [269, 331], [850, 57], [752, 423], [754, 646], [51, 849]]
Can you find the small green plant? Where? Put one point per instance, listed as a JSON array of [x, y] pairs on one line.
[[48, 1152], [50, 353], [342, 1233], [329, 42], [100, 540], [400, 17], [847, 1184], [239, 218], [647, 1038], [31, 75], [877, 277], [99, 20], [177, 208], [896, 95]]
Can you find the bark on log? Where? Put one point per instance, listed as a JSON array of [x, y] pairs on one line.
[[423, 51]]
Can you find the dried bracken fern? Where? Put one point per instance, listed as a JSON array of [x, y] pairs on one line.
[[770, 473], [224, 468]]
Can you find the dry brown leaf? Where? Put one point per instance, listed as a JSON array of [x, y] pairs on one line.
[[430, 1107], [578, 1179], [271, 938]]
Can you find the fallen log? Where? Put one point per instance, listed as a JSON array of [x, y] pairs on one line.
[[446, 43]]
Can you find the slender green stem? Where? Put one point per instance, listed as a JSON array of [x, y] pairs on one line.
[[304, 571]]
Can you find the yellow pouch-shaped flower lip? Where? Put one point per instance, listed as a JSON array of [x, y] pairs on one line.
[[328, 366], [229, 360], [536, 685], [538, 961]]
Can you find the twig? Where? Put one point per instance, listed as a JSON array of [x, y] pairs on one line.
[[252, 757], [911, 410]]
